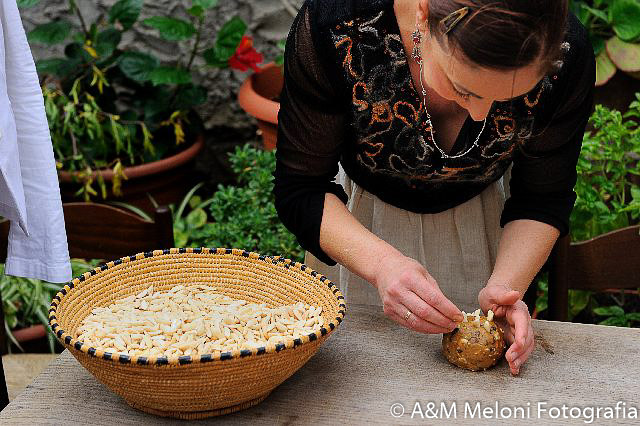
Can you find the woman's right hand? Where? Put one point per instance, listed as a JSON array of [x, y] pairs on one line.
[[404, 284]]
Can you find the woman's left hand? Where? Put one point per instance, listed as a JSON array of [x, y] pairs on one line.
[[512, 314]]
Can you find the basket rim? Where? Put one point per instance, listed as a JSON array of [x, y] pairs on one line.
[[74, 345]]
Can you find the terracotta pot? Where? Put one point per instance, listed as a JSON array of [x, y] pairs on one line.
[[30, 333], [166, 180], [256, 96]]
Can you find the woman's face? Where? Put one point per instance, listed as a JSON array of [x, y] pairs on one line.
[[474, 88]]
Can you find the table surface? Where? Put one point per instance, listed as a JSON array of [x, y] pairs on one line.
[[370, 363]]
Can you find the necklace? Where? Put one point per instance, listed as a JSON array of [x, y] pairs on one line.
[[416, 36]]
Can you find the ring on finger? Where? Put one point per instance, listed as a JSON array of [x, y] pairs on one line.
[[407, 315]]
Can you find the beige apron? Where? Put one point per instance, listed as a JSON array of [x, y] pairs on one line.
[[458, 246]]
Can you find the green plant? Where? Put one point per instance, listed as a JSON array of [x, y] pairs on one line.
[[186, 226], [607, 197], [245, 216], [615, 315], [110, 106], [614, 30], [26, 301], [239, 217]]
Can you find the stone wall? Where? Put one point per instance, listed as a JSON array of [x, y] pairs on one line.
[[268, 21]]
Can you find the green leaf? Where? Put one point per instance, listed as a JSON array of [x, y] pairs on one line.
[[194, 201], [59, 67], [156, 106], [578, 300], [196, 218], [597, 43], [25, 4], [609, 311], [133, 208], [205, 4], [185, 200], [190, 96], [171, 29], [50, 33], [605, 69], [213, 58], [633, 316], [107, 41], [137, 65], [625, 56], [196, 11], [125, 12], [169, 75], [601, 14], [625, 18], [180, 237], [615, 321], [228, 39], [578, 7], [77, 52]]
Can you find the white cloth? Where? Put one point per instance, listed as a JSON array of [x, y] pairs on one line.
[[29, 189], [458, 246]]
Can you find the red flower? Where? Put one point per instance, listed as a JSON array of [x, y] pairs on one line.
[[245, 56]]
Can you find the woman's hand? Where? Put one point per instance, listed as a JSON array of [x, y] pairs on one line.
[[405, 286], [512, 314]]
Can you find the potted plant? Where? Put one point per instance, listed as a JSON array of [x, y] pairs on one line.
[[614, 31], [122, 116], [26, 303], [259, 96]]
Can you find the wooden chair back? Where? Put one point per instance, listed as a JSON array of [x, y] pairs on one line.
[[611, 260]]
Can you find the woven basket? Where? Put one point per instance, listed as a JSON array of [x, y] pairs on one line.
[[206, 385]]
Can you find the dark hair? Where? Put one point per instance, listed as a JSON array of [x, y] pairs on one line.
[[503, 34]]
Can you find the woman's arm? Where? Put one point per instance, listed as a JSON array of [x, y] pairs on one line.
[[349, 243], [403, 283], [524, 247]]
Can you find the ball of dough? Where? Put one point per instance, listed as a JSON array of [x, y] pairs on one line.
[[477, 343]]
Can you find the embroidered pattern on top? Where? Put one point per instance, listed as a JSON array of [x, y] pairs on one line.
[[388, 116]]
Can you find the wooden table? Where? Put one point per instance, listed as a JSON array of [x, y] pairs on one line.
[[371, 363]]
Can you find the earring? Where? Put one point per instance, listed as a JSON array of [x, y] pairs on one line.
[[416, 36]]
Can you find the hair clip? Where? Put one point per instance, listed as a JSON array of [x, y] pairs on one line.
[[452, 19]]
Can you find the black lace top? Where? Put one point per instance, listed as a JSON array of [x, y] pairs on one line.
[[348, 97]]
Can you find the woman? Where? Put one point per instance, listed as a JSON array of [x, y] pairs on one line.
[[425, 105]]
